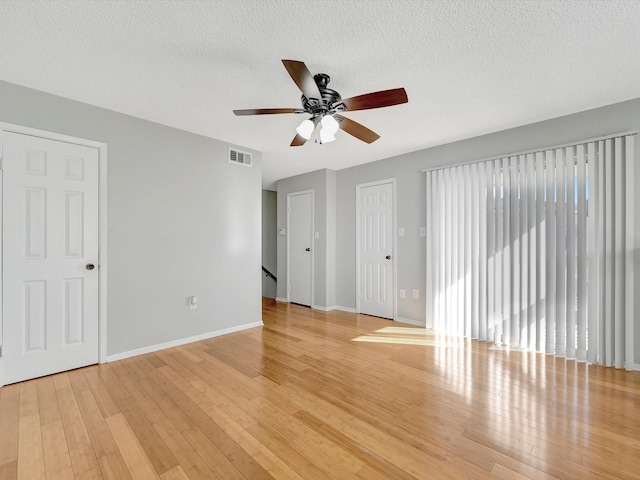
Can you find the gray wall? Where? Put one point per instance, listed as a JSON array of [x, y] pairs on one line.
[[407, 169], [330, 226], [408, 172], [182, 221], [269, 241], [323, 183]]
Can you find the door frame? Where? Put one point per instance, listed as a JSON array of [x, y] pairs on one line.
[[313, 249], [394, 241], [102, 226]]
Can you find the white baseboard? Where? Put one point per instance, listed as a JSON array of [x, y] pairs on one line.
[[321, 308], [324, 309], [181, 341], [314, 307], [345, 309], [410, 321]]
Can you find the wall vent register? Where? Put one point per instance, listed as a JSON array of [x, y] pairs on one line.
[[238, 157]]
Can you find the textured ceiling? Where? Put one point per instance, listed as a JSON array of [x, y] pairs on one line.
[[469, 67]]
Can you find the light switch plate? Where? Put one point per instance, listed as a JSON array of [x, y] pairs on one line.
[[423, 232], [401, 232], [402, 293], [192, 302]]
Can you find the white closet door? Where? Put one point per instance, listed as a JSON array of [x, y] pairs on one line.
[[50, 252], [300, 248], [375, 225]]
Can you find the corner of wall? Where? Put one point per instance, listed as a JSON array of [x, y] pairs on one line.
[[330, 229]]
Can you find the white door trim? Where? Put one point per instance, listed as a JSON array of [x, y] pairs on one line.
[[313, 255], [102, 226], [360, 186]]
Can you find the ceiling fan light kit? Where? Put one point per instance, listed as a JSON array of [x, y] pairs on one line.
[[325, 105], [329, 128], [306, 128]]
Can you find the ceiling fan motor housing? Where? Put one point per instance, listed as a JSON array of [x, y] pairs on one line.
[[330, 98]]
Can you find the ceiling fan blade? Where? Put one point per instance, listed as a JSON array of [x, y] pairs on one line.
[[267, 111], [303, 79], [384, 98], [357, 130], [298, 141]]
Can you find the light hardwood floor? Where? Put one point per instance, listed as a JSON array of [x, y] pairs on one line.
[[315, 395]]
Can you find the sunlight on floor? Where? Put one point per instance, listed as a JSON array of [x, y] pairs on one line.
[[400, 336]]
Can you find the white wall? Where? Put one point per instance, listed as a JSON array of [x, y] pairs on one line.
[[182, 221], [269, 241]]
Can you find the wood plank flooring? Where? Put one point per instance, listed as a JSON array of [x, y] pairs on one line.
[[314, 395]]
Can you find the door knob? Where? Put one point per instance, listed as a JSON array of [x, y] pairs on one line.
[[388, 257], [90, 266], [307, 249]]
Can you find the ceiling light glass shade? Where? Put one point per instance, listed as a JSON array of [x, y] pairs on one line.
[[305, 129], [329, 124], [326, 136]]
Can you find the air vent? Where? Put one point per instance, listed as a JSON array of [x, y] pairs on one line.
[[241, 158]]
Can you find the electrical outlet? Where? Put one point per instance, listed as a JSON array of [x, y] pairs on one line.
[[403, 294], [416, 293]]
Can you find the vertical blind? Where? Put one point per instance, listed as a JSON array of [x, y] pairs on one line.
[[535, 250]]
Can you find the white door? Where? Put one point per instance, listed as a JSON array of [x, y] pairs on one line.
[[375, 242], [50, 256], [300, 248]]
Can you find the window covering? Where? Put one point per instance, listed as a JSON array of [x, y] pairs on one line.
[[535, 250]]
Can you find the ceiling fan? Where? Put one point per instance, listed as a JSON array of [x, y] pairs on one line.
[[325, 105]]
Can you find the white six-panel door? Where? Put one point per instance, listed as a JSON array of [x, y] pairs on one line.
[[300, 247], [50, 256], [375, 247]]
